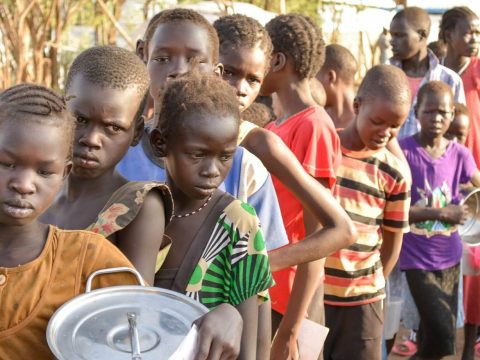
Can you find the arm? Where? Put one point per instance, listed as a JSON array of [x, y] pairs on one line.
[[337, 232], [141, 239], [249, 312], [475, 180], [390, 250], [452, 214], [394, 147]]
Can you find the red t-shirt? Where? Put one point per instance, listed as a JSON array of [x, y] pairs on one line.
[[471, 86], [311, 136]]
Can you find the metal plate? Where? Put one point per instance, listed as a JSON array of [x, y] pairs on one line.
[[470, 230], [96, 326]]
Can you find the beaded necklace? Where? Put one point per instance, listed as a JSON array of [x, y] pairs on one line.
[[195, 211]]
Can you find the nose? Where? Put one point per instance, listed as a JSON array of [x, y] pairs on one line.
[[180, 67], [210, 170], [23, 182], [241, 86], [90, 138]]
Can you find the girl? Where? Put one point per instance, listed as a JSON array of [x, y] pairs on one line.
[[460, 30], [431, 252], [41, 266], [218, 254], [245, 53]]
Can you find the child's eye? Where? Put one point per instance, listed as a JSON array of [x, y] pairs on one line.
[[114, 128], [162, 59], [80, 119], [254, 81], [7, 165], [227, 73], [225, 157], [45, 172]]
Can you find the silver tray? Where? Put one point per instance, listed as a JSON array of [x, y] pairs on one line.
[[122, 322]]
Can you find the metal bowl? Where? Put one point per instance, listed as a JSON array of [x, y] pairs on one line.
[[122, 322], [470, 230]]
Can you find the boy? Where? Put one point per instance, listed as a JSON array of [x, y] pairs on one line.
[[337, 76], [409, 29], [309, 132], [373, 190], [458, 130]]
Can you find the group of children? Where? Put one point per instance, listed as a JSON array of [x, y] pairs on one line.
[[155, 152]]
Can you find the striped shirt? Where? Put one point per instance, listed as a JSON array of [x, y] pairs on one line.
[[436, 72], [376, 195]]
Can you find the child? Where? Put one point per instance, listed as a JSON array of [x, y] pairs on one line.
[[41, 266], [245, 51], [372, 188], [309, 133], [106, 99], [218, 254], [431, 252], [337, 76], [409, 29], [173, 39], [458, 130]]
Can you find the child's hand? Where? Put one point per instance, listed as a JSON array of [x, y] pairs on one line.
[[219, 334], [284, 346], [454, 214]]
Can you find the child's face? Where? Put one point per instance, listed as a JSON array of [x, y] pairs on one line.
[[378, 121], [106, 125], [465, 37], [405, 41], [458, 129], [435, 113], [171, 52], [33, 165], [244, 69], [200, 156]]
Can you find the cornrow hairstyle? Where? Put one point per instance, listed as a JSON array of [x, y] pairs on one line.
[[184, 15], [298, 37], [199, 94], [451, 17], [339, 59], [235, 31], [417, 18], [386, 82], [437, 88], [461, 109], [112, 67], [31, 102]]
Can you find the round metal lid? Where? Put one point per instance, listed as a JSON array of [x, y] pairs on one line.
[[470, 230], [122, 322]]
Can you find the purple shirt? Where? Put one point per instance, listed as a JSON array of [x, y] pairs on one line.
[[433, 245]]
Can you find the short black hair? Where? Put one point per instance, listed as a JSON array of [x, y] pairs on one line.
[[32, 102], [194, 93], [184, 15], [438, 48], [451, 17], [417, 18], [461, 109], [235, 31], [259, 114], [434, 88], [300, 38], [339, 59], [386, 82], [112, 67]]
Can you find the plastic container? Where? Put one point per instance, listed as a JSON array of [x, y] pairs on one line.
[[393, 312]]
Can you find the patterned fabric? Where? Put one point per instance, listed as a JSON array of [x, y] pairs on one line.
[[125, 204], [436, 72], [234, 264], [375, 194]]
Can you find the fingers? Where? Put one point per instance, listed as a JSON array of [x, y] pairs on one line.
[[204, 344]]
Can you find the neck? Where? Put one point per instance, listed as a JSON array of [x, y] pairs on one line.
[[341, 111], [418, 65], [182, 203], [350, 139], [295, 96], [107, 183], [454, 60], [426, 141]]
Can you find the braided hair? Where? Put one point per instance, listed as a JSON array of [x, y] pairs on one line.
[[300, 38], [235, 31], [183, 15], [450, 19], [31, 102]]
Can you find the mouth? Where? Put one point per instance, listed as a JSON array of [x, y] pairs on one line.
[[17, 208], [86, 160], [206, 190]]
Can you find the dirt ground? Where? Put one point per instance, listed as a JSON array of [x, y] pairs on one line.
[[403, 334]]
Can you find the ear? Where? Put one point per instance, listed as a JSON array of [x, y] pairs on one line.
[[139, 130], [332, 76], [278, 62], [218, 69], [158, 143], [356, 105], [415, 110], [67, 169], [140, 50]]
